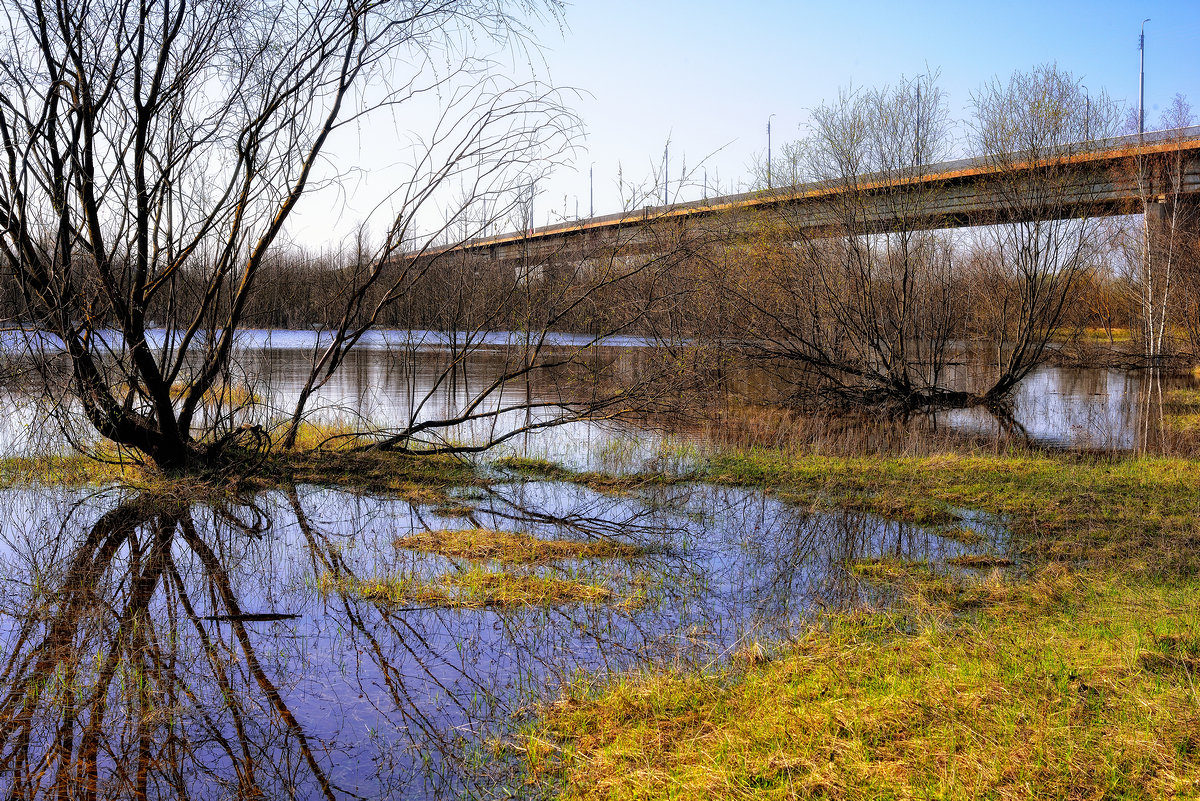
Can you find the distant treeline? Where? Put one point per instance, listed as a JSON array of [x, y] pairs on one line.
[[708, 290]]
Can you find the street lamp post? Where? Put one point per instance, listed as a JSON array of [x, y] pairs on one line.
[[592, 190], [666, 173], [1087, 113], [1142, 79], [769, 151], [917, 138]]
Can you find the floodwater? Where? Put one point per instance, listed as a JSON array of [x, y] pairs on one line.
[[1086, 408], [396, 379], [201, 651], [1055, 406], [217, 649]]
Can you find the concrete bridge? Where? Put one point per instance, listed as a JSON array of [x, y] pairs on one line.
[[1102, 177]]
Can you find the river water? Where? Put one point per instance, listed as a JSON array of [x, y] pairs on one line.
[[394, 379]]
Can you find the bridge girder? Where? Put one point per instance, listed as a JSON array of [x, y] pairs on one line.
[[1118, 176]]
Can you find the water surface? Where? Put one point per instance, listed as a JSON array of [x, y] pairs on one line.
[[130, 665]]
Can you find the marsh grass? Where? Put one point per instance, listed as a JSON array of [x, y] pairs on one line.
[[605, 483], [934, 590], [234, 396], [1076, 679], [1066, 686], [324, 455], [1181, 399], [964, 534], [420, 479], [979, 561], [511, 547], [1139, 512], [71, 469], [453, 508], [470, 589]]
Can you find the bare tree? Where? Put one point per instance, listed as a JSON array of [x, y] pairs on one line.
[[1162, 241], [1045, 240], [866, 308], [540, 325], [153, 153]]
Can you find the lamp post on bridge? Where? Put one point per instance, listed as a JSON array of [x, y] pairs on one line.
[[769, 151], [666, 173], [1087, 113], [1142, 79], [917, 138], [592, 190]]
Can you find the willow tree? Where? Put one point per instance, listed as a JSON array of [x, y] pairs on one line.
[[155, 150]]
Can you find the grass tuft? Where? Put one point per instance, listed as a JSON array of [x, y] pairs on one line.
[[471, 589], [979, 561], [511, 547]]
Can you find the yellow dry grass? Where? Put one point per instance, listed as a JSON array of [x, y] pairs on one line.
[[471, 589], [515, 547]]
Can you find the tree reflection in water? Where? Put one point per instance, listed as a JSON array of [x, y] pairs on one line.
[[159, 647]]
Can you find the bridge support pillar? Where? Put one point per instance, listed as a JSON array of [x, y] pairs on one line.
[[1173, 223]]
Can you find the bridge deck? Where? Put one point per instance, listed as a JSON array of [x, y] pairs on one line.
[[967, 205]]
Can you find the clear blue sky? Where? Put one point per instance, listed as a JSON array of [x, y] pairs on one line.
[[709, 74]]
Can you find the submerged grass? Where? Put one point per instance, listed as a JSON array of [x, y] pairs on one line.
[[545, 470], [511, 547], [1141, 511], [471, 589]]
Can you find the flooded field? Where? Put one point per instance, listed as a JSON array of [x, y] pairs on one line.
[[315, 643], [214, 651], [398, 378]]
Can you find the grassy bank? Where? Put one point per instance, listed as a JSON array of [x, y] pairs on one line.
[[422, 479], [1076, 679], [1138, 513]]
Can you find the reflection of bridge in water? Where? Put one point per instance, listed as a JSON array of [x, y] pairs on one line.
[[1098, 178]]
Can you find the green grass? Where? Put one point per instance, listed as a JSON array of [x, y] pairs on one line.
[[1077, 679], [1066, 686]]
